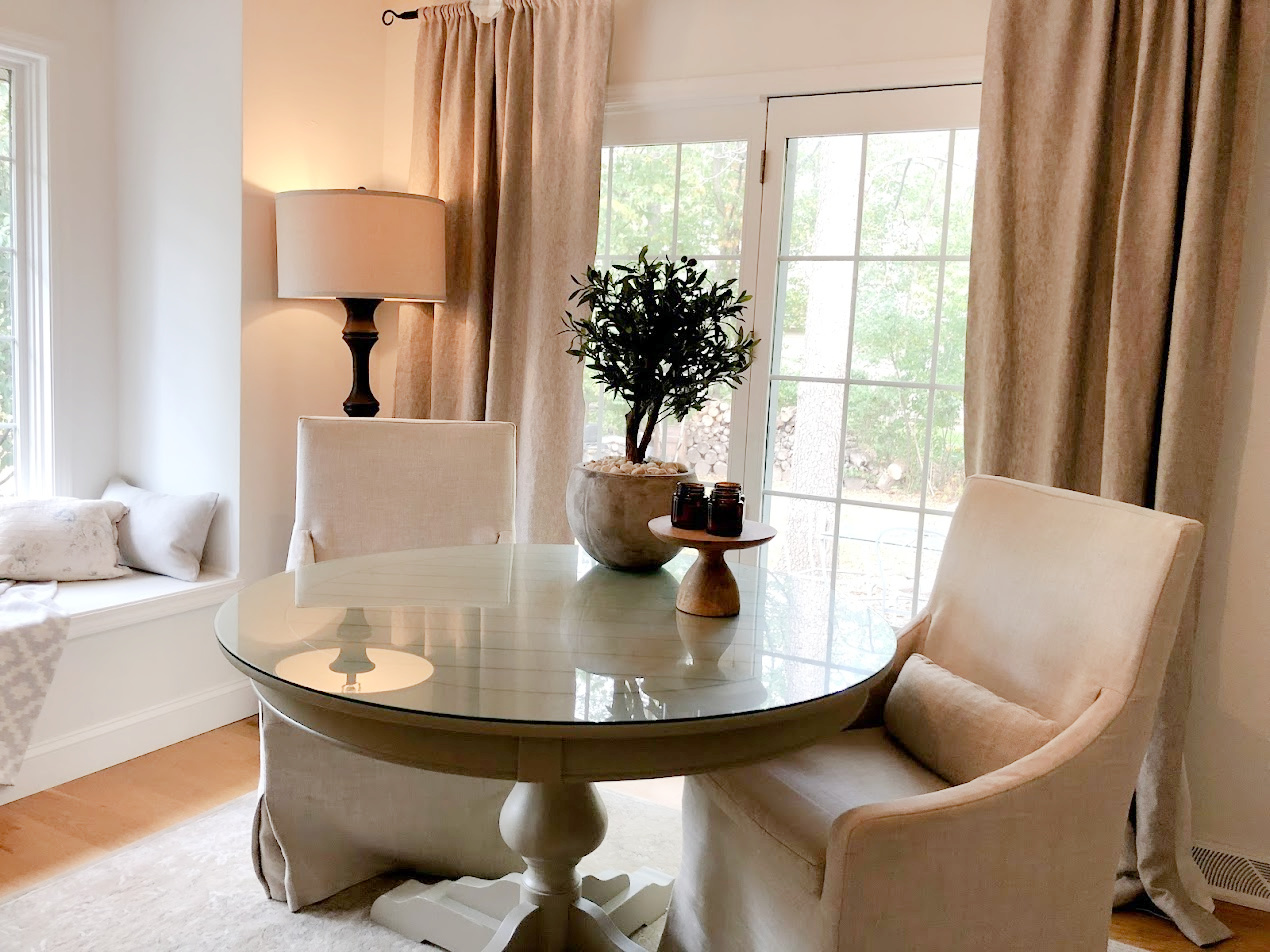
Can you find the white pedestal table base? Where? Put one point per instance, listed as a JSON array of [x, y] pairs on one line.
[[548, 908]]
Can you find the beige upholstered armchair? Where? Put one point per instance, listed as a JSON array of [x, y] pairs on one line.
[[987, 813], [327, 817]]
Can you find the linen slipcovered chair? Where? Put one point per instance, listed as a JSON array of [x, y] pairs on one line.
[[1000, 826], [327, 817]]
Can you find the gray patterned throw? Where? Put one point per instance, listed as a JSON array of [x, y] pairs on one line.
[[32, 636]]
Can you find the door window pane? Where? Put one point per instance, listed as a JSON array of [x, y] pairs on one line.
[[807, 425], [711, 198], [895, 320], [905, 184], [822, 188], [643, 209], [814, 307]]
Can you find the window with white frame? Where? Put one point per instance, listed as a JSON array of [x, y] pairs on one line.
[[679, 199], [25, 437]]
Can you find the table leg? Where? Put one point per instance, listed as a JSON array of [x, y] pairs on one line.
[[548, 908]]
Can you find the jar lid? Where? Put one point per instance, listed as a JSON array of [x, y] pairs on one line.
[[727, 485], [689, 489]]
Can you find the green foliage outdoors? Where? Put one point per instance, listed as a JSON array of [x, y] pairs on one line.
[[658, 335]]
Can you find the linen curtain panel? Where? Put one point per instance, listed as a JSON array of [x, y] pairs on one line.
[[508, 123], [1115, 152]]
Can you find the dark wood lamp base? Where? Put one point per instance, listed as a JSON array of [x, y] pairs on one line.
[[360, 334]]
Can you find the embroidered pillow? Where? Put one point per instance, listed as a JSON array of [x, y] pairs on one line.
[[956, 728], [60, 539], [161, 533]]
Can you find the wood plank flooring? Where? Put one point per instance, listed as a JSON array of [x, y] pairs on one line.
[[47, 833]]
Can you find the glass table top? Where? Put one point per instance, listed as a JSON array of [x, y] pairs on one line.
[[542, 634]]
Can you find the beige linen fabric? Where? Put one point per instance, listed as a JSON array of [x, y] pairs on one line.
[[1115, 147], [956, 728], [1063, 603], [508, 132], [328, 817], [383, 485]]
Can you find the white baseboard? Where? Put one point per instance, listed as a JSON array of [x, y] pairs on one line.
[[112, 742]]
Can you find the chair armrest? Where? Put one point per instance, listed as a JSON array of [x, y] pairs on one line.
[[983, 858], [300, 552], [909, 639]]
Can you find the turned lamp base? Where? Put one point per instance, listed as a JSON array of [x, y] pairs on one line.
[[360, 334], [709, 589]]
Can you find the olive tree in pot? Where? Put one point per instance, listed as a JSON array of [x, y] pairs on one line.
[[657, 334]]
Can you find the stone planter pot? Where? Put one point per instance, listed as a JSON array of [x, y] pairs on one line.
[[609, 517]]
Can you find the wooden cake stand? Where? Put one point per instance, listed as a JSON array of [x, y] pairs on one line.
[[709, 588]]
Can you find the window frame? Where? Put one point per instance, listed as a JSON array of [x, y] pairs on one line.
[[32, 330]]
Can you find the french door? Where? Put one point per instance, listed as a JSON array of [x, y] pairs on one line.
[[862, 276]]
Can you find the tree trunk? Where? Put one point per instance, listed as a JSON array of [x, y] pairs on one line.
[[634, 452]]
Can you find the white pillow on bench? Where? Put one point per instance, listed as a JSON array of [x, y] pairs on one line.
[[59, 539], [163, 534]]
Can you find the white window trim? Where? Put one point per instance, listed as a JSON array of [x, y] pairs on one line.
[[33, 385]]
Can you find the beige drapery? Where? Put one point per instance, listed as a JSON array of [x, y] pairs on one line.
[[508, 122], [1115, 152]]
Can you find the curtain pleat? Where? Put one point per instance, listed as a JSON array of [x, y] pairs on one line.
[[1116, 147], [508, 124]]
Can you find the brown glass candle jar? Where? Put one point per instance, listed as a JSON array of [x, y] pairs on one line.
[[726, 510], [688, 506]]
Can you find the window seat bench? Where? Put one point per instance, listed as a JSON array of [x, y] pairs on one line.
[[106, 604], [141, 669]]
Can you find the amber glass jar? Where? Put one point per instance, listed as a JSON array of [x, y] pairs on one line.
[[688, 506], [726, 510]]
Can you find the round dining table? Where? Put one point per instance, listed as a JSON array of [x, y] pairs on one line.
[[534, 664]]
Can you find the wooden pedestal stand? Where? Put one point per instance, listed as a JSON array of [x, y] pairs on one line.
[[709, 588]]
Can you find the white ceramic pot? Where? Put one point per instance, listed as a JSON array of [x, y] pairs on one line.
[[609, 516]]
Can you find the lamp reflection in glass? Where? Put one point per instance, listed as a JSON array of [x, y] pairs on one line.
[[353, 668]]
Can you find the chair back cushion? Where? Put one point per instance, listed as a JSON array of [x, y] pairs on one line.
[[1045, 596], [957, 729], [365, 486]]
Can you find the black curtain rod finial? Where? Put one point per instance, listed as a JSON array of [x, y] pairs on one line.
[[390, 15]]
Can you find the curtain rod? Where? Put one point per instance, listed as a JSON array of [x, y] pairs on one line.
[[390, 15], [483, 10]]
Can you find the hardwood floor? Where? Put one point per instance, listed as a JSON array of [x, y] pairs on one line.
[[50, 832]]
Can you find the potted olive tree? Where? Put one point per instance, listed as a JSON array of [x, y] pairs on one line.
[[657, 334]]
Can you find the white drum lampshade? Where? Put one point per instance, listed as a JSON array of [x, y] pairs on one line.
[[361, 244], [362, 247]]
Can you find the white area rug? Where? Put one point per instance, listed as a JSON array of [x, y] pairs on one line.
[[192, 889]]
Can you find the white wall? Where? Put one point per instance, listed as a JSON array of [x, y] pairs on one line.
[[75, 37], [1228, 746], [313, 117], [661, 40], [179, 127]]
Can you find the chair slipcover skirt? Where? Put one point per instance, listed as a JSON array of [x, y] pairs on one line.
[[366, 817]]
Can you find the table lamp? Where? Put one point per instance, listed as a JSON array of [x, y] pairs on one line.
[[360, 247]]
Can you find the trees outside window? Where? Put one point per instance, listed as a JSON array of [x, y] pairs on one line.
[[678, 199]]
